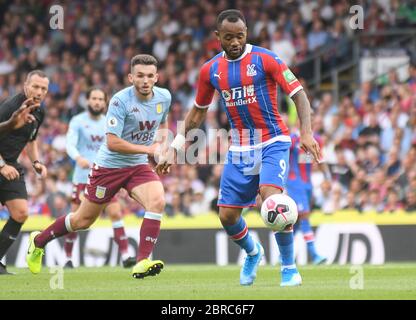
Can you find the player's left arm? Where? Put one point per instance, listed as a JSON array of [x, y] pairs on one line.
[[284, 77], [307, 141], [33, 154], [33, 150]]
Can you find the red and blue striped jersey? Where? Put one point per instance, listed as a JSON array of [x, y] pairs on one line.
[[248, 93], [300, 163]]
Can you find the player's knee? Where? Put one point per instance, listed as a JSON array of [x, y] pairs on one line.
[[229, 216], [115, 215], [156, 204], [20, 215], [80, 223]]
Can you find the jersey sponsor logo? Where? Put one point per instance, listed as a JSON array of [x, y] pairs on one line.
[[289, 76], [146, 125], [217, 75], [241, 96], [112, 122], [251, 70], [159, 108], [149, 238], [100, 192], [97, 138]]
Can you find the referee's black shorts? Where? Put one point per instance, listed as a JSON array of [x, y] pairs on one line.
[[14, 189]]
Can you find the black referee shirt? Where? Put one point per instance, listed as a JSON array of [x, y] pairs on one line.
[[13, 143]]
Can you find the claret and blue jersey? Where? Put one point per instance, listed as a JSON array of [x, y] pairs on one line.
[[134, 121], [84, 138]]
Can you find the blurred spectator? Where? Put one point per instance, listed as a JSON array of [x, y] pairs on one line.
[[393, 202]]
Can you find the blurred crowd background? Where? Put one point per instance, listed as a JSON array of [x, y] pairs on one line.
[[369, 136]]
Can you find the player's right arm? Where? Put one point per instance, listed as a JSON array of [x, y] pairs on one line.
[[19, 118], [115, 123], [193, 119], [14, 120], [72, 138]]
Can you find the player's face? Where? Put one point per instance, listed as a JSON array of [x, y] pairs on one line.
[[143, 77], [96, 102], [233, 38], [36, 87]]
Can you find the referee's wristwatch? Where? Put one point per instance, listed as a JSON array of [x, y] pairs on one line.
[[2, 163], [35, 162]]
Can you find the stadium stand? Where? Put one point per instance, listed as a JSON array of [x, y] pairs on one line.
[[369, 132]]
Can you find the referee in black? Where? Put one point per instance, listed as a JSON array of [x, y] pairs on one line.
[[13, 192]]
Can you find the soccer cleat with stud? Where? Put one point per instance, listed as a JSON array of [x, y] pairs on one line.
[[290, 278], [318, 260], [34, 254], [69, 265], [3, 270], [248, 272], [129, 262], [146, 268]]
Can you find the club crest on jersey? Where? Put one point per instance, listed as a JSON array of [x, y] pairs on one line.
[[159, 108], [251, 70], [100, 192]]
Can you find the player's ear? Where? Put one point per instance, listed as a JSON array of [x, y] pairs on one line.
[[156, 77], [217, 33], [130, 76]]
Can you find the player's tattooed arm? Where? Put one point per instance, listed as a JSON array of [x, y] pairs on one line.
[[307, 141], [304, 111], [194, 119]]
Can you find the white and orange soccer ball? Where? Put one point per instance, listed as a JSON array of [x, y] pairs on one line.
[[279, 211]]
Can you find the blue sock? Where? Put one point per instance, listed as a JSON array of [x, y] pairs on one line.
[[287, 252], [240, 235], [308, 235]]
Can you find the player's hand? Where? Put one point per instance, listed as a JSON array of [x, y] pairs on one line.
[[310, 145], [23, 115], [9, 172], [40, 169], [83, 163], [154, 150], [166, 159]]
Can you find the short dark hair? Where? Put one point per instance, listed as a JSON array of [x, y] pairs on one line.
[[145, 59], [231, 15], [39, 73], [91, 89]]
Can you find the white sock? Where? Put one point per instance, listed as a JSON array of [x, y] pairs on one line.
[[125, 256]]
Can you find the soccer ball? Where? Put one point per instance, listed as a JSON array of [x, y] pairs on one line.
[[279, 211]]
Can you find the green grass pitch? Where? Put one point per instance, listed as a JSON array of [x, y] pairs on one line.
[[209, 282]]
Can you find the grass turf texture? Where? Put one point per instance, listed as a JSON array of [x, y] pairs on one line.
[[209, 282]]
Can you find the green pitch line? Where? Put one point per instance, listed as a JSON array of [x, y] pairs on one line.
[[209, 282]]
